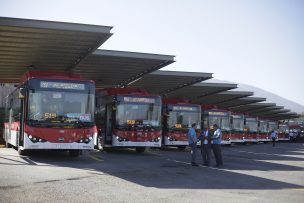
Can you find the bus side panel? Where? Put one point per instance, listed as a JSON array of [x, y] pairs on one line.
[[12, 123]]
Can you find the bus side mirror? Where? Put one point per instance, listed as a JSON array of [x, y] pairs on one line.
[[21, 93]]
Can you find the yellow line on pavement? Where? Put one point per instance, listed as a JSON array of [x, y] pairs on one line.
[[95, 158], [300, 189]]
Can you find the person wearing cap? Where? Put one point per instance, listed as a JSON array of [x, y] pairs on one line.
[[216, 145], [192, 142], [206, 138]]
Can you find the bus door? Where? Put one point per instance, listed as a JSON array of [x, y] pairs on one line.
[[109, 122], [22, 116], [8, 137]]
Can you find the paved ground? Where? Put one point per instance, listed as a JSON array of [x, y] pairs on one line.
[[252, 173]]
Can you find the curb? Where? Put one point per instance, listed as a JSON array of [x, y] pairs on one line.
[[2, 146]]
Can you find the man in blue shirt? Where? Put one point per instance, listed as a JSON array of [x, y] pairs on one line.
[[273, 137], [216, 145], [192, 139]]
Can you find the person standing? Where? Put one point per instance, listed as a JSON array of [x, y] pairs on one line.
[[216, 145], [206, 145], [192, 142], [273, 137]]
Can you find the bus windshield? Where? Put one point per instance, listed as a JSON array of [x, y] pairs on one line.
[[252, 125], [221, 121], [283, 129], [238, 124], [138, 114], [263, 127], [61, 108], [183, 119], [273, 126]]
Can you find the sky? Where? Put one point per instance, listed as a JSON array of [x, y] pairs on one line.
[[255, 42]]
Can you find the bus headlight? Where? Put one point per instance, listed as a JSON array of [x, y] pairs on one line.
[[35, 139]]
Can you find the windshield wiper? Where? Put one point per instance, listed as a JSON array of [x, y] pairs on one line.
[[81, 124]]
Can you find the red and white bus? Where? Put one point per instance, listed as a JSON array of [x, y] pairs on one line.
[[263, 131], [129, 118], [283, 134], [237, 128], [222, 119], [272, 126], [178, 115], [51, 110], [251, 129]]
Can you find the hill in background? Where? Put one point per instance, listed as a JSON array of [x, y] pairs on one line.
[[270, 97]]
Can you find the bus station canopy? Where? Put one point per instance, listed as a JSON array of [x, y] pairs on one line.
[[270, 113], [217, 99], [110, 68], [270, 108], [200, 90], [163, 82], [284, 116], [265, 111], [252, 107], [241, 101], [45, 45]]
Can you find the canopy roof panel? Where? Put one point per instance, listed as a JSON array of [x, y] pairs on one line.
[[284, 116], [217, 99], [165, 82], [45, 45], [241, 101], [252, 107], [119, 68], [266, 109], [270, 113], [200, 90]]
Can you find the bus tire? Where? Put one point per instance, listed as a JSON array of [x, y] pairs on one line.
[[181, 148], [22, 152], [74, 152], [7, 145], [99, 145], [140, 149]]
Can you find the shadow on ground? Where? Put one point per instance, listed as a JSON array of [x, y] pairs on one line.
[[170, 168]]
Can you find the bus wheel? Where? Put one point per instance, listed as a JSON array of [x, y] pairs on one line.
[[74, 153], [7, 145], [22, 152], [181, 148], [99, 145], [140, 149]]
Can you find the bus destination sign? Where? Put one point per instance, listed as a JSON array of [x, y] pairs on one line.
[[139, 100], [61, 85], [217, 113], [184, 108]]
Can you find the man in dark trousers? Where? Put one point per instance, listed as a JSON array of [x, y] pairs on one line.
[[192, 139], [273, 137], [206, 137], [216, 145]]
